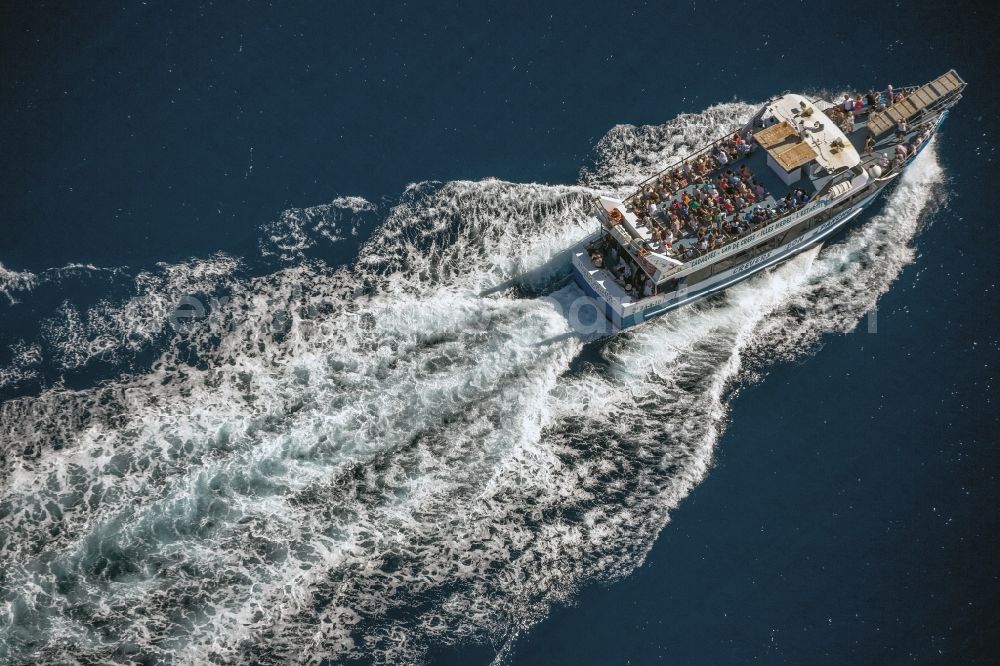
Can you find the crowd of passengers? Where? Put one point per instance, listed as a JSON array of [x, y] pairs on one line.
[[715, 211], [873, 101], [710, 211], [852, 107]]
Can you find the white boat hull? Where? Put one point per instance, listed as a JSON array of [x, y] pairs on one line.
[[624, 312]]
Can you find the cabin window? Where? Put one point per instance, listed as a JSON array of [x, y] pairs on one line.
[[796, 232], [699, 275], [729, 262], [775, 241]]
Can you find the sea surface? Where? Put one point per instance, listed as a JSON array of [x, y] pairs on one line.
[[287, 373]]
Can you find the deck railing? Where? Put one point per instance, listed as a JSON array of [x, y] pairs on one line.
[[684, 160]]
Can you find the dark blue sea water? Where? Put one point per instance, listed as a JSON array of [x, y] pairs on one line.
[[341, 450]]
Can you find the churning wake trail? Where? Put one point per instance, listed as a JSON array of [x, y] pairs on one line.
[[372, 461]]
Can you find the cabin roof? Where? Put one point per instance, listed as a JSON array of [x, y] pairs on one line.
[[776, 134], [814, 129], [794, 156]]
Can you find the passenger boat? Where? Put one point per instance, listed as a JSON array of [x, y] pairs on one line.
[[796, 173]]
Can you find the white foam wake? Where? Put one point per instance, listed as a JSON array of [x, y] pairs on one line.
[[298, 230], [113, 329], [366, 462], [12, 282]]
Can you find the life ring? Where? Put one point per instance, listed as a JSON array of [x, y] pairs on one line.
[[615, 214]]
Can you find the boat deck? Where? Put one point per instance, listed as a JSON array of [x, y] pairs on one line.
[[917, 102], [604, 279], [859, 130], [756, 163]]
